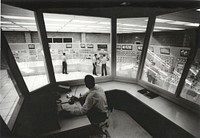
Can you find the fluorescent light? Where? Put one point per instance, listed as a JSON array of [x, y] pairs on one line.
[[105, 23], [168, 28], [124, 28], [140, 29], [75, 25], [29, 26], [53, 27], [177, 22], [19, 28], [17, 17], [198, 10], [129, 25], [192, 24], [3, 22], [25, 23], [52, 24], [11, 26], [162, 20], [58, 20], [95, 26], [83, 21]]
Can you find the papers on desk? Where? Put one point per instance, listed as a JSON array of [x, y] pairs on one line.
[[67, 88], [71, 107]]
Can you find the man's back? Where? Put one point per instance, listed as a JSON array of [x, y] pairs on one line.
[[98, 98]]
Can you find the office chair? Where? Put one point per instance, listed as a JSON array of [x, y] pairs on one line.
[[103, 124]]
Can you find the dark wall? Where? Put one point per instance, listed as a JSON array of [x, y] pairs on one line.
[[97, 38], [19, 37], [15, 37], [184, 38]]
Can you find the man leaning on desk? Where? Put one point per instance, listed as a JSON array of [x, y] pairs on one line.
[[93, 103]]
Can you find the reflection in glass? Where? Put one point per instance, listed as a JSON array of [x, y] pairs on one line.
[[82, 37], [168, 50], [191, 89], [8, 94], [24, 44], [130, 37]]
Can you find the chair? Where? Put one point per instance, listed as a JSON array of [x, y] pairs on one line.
[[103, 124]]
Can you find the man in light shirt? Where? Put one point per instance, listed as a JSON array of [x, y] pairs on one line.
[[64, 64], [103, 67], [95, 103]]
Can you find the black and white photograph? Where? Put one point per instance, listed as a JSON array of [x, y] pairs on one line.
[[100, 69]]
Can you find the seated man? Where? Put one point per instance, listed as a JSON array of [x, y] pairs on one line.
[[94, 102]]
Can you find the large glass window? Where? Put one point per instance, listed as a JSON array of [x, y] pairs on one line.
[[191, 89], [173, 37], [20, 30], [83, 38], [130, 38], [9, 97]]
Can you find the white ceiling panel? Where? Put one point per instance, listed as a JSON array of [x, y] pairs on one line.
[[17, 19]]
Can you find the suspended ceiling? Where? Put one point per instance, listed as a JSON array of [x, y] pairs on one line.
[[18, 19]]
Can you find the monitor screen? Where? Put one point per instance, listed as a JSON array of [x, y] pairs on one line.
[[184, 52], [165, 51]]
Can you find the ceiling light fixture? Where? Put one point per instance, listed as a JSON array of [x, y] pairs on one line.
[[177, 22], [130, 25], [56, 20], [158, 20], [25, 23], [11, 26], [198, 10], [105, 23], [3, 22], [168, 28], [17, 17], [83, 21], [125, 3], [192, 24]]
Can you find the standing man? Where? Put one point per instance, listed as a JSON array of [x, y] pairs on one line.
[[64, 64], [103, 67], [94, 63]]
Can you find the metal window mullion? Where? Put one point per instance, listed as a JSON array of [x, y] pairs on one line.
[[188, 64], [44, 42], [113, 46], [147, 39]]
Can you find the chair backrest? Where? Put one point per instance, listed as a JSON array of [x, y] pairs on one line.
[[110, 100]]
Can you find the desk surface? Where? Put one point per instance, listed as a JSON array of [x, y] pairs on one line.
[[184, 118], [70, 123]]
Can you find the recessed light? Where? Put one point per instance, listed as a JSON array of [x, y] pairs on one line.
[[83, 21], [125, 3]]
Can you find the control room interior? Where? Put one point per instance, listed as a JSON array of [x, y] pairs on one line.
[[153, 66]]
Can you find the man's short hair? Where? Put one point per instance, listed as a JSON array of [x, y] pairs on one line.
[[89, 81]]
